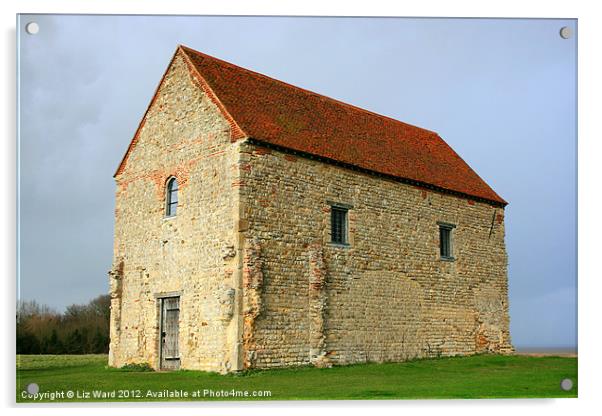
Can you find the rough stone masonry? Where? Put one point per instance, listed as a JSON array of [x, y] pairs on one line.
[[250, 254]]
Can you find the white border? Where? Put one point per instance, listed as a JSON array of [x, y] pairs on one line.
[[590, 136]]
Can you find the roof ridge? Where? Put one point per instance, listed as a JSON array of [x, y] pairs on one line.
[[321, 96], [236, 132]]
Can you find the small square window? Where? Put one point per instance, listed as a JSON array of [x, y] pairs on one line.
[[338, 225], [445, 241]]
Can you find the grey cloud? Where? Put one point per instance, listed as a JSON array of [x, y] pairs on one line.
[[501, 92]]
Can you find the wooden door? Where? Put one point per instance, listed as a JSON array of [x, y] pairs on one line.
[[170, 331]]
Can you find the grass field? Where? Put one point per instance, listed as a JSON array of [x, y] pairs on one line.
[[484, 376]]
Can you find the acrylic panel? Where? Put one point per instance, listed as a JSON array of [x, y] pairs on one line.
[[343, 208]]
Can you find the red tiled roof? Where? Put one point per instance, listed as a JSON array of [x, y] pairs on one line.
[[283, 115]]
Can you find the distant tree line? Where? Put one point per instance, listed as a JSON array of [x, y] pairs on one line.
[[81, 329]]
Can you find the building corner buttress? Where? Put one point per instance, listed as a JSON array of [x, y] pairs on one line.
[[115, 293], [318, 299]]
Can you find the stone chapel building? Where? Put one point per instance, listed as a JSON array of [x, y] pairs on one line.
[[260, 225]]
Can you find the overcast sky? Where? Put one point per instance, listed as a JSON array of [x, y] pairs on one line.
[[500, 92]]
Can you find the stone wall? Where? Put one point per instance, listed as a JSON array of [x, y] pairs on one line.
[[388, 296], [193, 254]]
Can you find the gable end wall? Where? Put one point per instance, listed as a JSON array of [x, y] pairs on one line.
[[193, 254]]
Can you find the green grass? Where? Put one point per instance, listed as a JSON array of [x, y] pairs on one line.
[[481, 376]]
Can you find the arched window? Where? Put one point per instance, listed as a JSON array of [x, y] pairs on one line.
[[171, 198]]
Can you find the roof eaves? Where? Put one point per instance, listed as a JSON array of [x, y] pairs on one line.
[[259, 142], [499, 200]]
